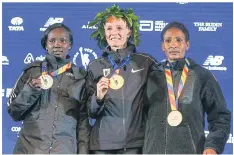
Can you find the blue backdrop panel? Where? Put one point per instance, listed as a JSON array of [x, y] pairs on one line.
[[210, 26]]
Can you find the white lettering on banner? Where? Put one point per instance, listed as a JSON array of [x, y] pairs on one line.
[[88, 27], [5, 60], [6, 92], [230, 139], [149, 25], [16, 129], [29, 58], [51, 21], [182, 2], [214, 62], [207, 26], [84, 56], [40, 58], [16, 21]]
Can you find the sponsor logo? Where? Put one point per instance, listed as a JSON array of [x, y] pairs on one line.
[[134, 71], [87, 27], [149, 25], [214, 62], [51, 21], [16, 129], [16, 24], [86, 54], [6, 92], [207, 26], [230, 139], [5, 60], [182, 2], [29, 58]]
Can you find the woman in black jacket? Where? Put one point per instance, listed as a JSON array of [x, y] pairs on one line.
[[49, 98], [118, 80]]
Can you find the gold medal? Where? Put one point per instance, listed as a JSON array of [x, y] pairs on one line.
[[46, 81], [174, 118], [116, 81]]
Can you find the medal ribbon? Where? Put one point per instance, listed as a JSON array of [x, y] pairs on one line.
[[175, 100], [57, 72], [124, 62]]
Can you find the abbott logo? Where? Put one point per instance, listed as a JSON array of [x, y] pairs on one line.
[[51, 21], [5, 60], [85, 54], [149, 25], [16, 21], [212, 63]]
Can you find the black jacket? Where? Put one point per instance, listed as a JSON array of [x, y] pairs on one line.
[[54, 120], [120, 117], [201, 94]]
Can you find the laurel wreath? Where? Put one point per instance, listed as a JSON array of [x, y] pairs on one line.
[[101, 17]]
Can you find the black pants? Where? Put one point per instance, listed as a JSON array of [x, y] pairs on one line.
[[137, 150]]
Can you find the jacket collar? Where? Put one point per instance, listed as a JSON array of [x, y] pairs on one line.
[[120, 54], [55, 62]]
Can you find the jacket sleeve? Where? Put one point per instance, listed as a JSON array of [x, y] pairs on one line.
[[22, 97], [94, 106], [218, 116], [84, 131]]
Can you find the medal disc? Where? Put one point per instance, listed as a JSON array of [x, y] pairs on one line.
[[174, 118], [116, 82], [46, 81]]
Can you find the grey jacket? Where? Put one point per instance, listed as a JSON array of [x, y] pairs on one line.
[[54, 120]]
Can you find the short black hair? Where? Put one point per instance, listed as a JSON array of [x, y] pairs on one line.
[[177, 25], [52, 27]]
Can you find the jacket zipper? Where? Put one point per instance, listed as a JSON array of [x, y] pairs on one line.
[[190, 134], [123, 115]]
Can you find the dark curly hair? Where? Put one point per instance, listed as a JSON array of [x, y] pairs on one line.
[[177, 25]]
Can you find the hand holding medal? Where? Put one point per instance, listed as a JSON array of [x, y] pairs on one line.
[[35, 83], [102, 87]]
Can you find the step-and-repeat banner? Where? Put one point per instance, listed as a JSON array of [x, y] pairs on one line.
[[210, 26]]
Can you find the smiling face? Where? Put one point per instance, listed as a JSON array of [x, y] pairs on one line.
[[58, 43], [117, 33], [174, 44]]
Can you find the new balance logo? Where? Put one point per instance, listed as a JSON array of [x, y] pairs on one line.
[[134, 71], [213, 63], [51, 21], [214, 60]]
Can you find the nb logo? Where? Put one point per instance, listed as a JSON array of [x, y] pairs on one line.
[[52, 20], [213, 60], [16, 21], [29, 58]]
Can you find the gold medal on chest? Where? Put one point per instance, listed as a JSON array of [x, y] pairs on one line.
[[46, 81], [116, 82]]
